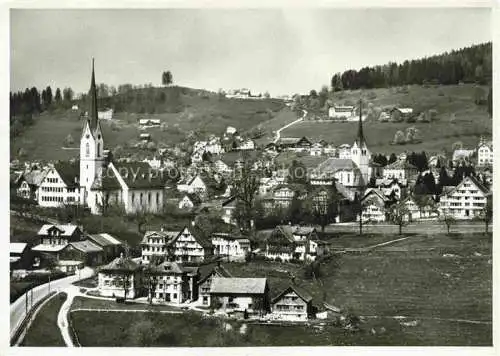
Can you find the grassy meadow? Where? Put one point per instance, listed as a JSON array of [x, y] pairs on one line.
[[471, 120]]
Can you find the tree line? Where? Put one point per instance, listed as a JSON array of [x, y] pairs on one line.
[[470, 64]]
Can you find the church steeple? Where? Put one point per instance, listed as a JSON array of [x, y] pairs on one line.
[[360, 139], [93, 101]]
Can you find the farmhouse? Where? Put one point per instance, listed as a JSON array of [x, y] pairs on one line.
[[342, 111], [110, 245], [292, 304], [296, 144], [465, 201], [240, 295], [462, 155], [191, 245], [294, 242], [122, 277], [144, 123], [207, 276]]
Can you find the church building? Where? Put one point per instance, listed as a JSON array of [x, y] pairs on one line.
[[133, 186]]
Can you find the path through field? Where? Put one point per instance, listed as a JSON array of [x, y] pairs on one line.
[[278, 132]]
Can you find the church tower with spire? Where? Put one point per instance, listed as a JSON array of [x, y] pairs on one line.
[[91, 145], [360, 154]]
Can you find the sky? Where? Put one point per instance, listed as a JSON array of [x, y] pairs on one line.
[[282, 51]]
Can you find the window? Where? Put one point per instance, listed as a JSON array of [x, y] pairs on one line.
[[98, 149], [140, 199], [157, 198], [149, 198], [133, 198], [87, 150], [175, 295]]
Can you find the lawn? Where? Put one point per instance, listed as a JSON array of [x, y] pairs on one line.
[[45, 138], [44, 330], [91, 303], [472, 121]]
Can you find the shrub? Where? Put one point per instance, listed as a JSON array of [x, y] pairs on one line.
[[278, 259], [399, 138]]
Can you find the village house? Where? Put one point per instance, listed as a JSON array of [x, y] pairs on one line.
[[288, 242], [171, 282], [344, 151], [28, 184], [193, 185], [245, 145], [485, 153], [110, 245], [20, 256], [105, 114], [189, 201], [266, 184], [399, 114], [153, 163], [465, 201], [53, 238], [121, 278], [462, 155], [374, 205], [60, 186], [85, 251], [292, 304], [390, 186], [295, 144], [240, 295], [342, 112], [426, 211], [341, 170], [228, 210], [190, 245], [316, 149], [401, 170], [231, 247], [155, 243], [207, 275], [146, 123]]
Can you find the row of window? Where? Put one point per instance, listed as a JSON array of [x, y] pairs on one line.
[[149, 198], [52, 199], [52, 180], [289, 307], [58, 189]]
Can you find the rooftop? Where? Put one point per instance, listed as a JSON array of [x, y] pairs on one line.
[[238, 286]]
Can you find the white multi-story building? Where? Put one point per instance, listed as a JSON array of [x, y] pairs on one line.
[[154, 243], [342, 112], [174, 283], [60, 186], [466, 201], [400, 170], [485, 153], [233, 247]]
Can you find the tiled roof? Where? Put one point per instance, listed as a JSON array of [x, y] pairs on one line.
[[168, 267], [86, 246], [166, 236], [48, 248], [305, 296], [333, 165], [400, 164], [69, 173], [66, 230], [35, 177], [209, 269], [104, 239], [17, 247], [121, 264], [238, 286]]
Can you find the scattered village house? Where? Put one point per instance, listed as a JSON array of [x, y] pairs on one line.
[[105, 114], [234, 248], [465, 201], [292, 304], [188, 245], [375, 204], [294, 242], [144, 123], [172, 282], [60, 186], [28, 184], [342, 111], [228, 211], [399, 114], [426, 211], [111, 246], [194, 185], [240, 295], [122, 278], [485, 153], [207, 275], [402, 170]]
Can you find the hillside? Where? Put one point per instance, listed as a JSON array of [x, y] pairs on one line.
[[471, 120], [200, 112]]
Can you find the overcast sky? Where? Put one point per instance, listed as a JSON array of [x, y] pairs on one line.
[[282, 51]]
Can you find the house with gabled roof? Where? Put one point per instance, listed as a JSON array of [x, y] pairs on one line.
[[173, 283], [110, 245], [421, 208], [121, 278], [485, 153], [232, 247], [401, 170], [191, 245], [292, 304], [28, 183], [156, 243], [288, 242], [228, 210], [240, 295], [296, 144], [465, 201], [207, 274], [193, 185], [60, 186], [375, 204]]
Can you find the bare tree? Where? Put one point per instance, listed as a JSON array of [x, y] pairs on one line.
[[448, 220], [246, 184], [398, 215]]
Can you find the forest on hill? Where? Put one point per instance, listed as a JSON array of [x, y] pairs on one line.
[[466, 65]]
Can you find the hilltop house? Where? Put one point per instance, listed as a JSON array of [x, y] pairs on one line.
[[145, 123], [465, 201], [400, 114], [234, 248], [172, 282], [342, 112], [105, 114], [240, 295], [294, 242], [292, 304], [204, 284], [122, 277]]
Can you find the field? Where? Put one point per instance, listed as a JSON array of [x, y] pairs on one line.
[[472, 120], [45, 139], [438, 287], [44, 330], [90, 303]]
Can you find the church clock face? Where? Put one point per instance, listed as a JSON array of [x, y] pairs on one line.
[[87, 136]]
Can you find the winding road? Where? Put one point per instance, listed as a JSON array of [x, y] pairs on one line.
[[278, 132]]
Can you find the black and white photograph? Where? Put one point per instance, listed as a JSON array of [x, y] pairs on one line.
[[247, 177]]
